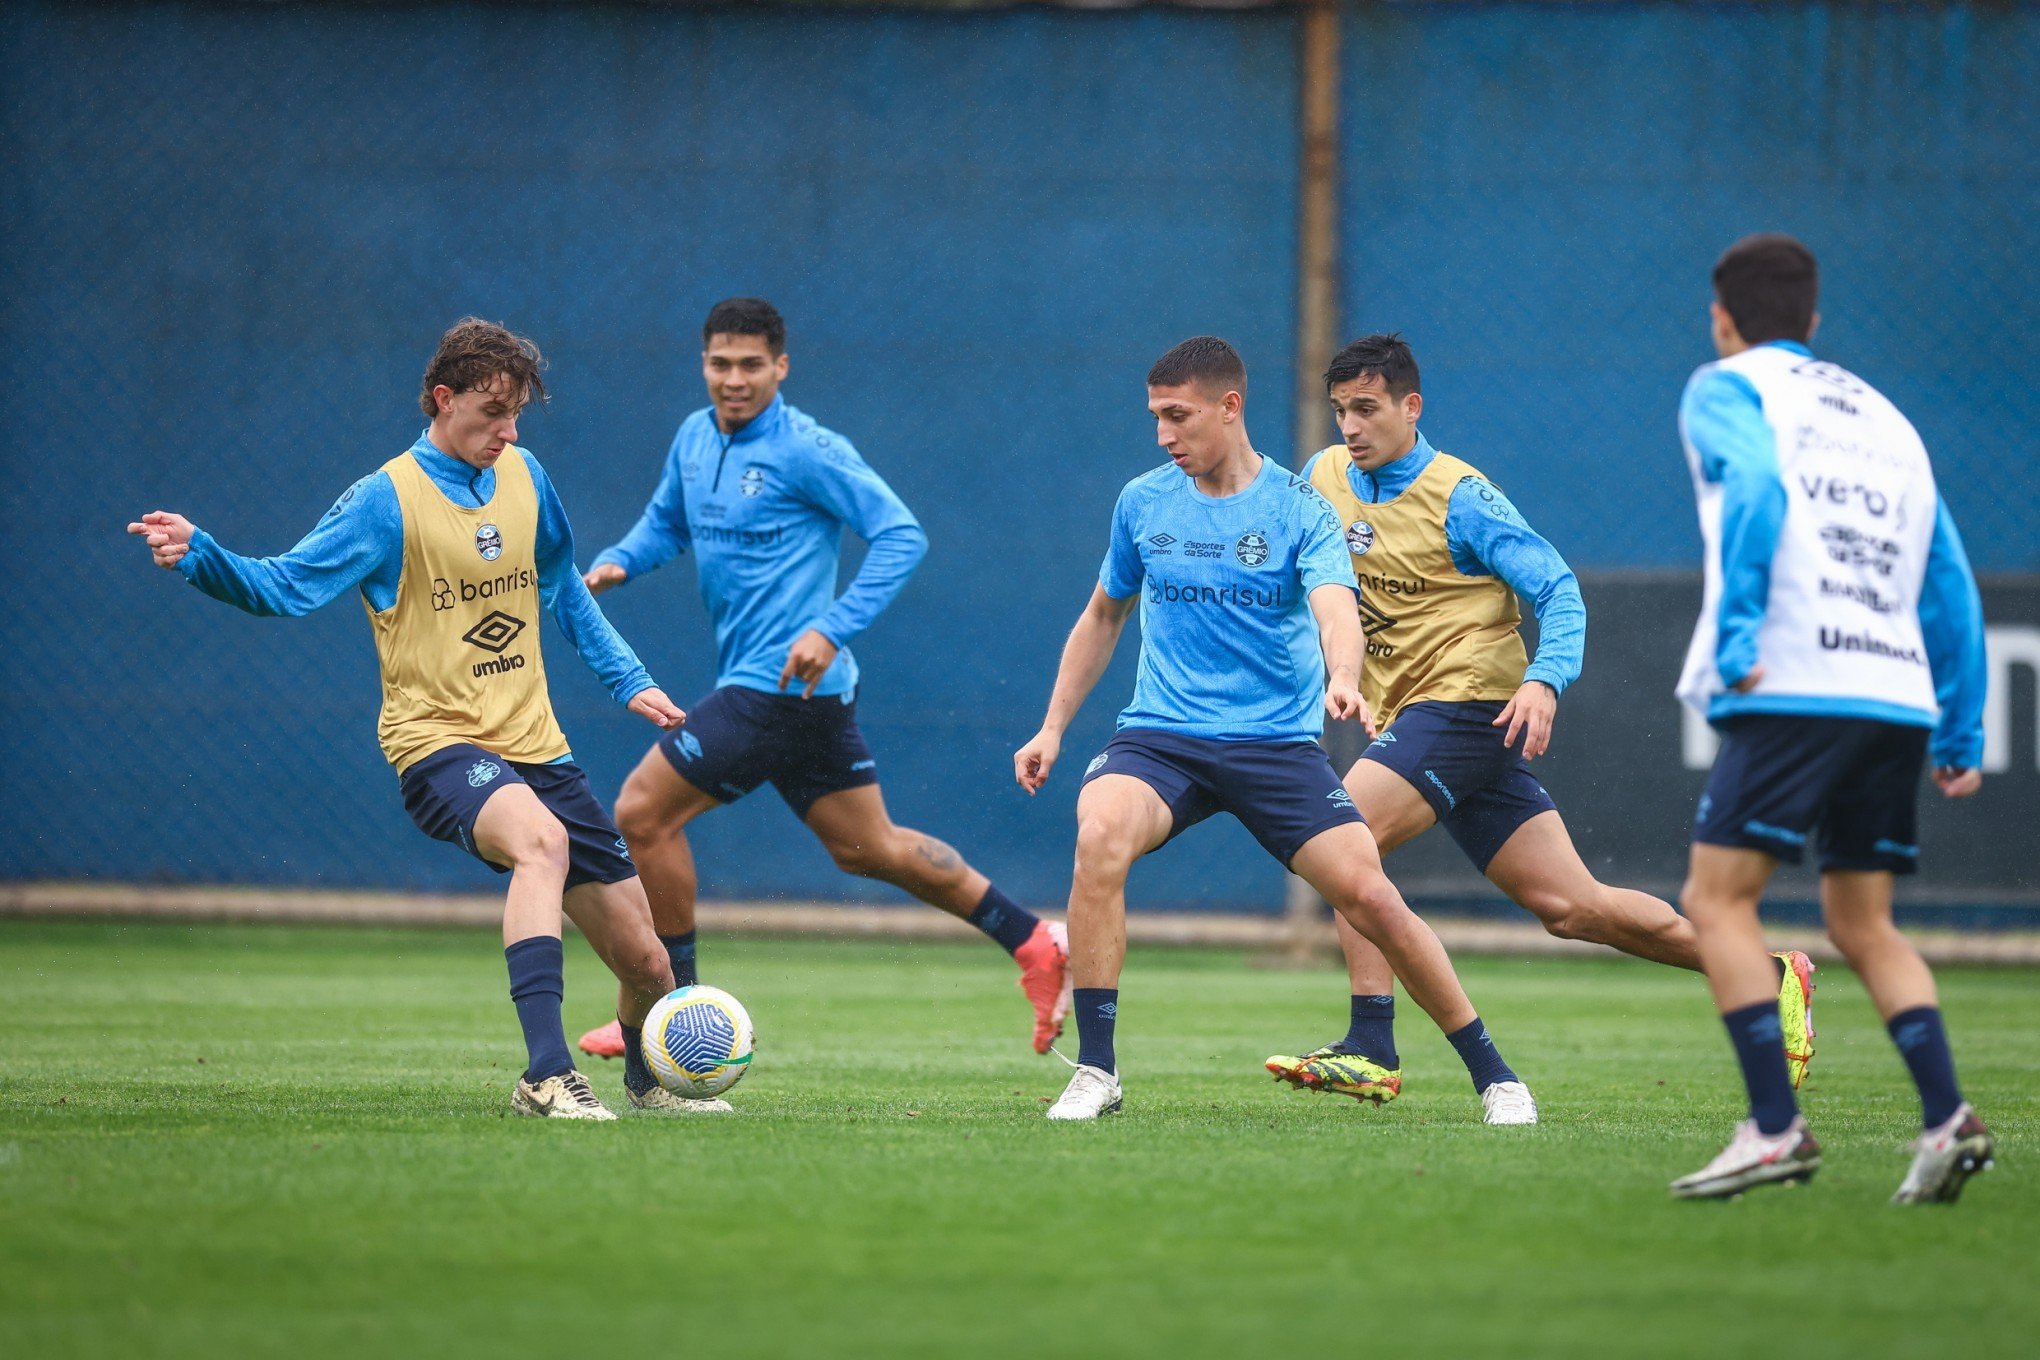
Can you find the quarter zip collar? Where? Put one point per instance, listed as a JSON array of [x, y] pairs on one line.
[[760, 426], [462, 483], [1390, 480]]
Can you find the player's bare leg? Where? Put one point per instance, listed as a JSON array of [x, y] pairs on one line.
[[1541, 871], [1724, 885], [652, 812], [862, 838], [515, 829], [1955, 1143], [1119, 819], [1344, 867], [618, 924]]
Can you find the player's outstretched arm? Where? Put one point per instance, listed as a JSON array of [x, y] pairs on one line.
[[1723, 419], [566, 596], [1951, 619], [659, 536], [1337, 612], [360, 539], [1084, 658]]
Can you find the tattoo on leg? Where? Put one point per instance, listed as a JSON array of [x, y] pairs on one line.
[[937, 855]]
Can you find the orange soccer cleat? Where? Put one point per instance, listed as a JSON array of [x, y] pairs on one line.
[[604, 1041], [1045, 977]]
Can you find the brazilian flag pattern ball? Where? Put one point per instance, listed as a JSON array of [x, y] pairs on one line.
[[697, 1041]]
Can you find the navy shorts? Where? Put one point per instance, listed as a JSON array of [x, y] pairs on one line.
[[1284, 792], [736, 739], [1778, 777], [445, 791], [1454, 755]]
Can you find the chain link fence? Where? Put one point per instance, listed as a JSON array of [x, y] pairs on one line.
[[230, 235]]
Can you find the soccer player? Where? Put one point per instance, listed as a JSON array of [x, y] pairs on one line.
[[762, 495], [1840, 643], [456, 544], [1440, 556], [1249, 635]]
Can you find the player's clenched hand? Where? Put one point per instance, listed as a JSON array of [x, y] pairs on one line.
[[168, 536], [1531, 712], [1750, 681], [653, 704], [1955, 782], [810, 655], [602, 576], [1032, 762]]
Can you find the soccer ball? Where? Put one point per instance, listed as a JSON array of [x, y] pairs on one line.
[[697, 1041]]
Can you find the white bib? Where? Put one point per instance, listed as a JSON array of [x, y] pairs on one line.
[[1842, 619]]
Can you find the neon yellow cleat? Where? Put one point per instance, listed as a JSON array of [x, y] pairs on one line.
[[1795, 1013], [1331, 1069]]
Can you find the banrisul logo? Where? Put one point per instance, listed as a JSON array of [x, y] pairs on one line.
[[1252, 550], [489, 542]]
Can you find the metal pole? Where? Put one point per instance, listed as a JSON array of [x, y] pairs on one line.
[[1317, 317]]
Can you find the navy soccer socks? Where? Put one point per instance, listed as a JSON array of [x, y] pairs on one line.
[[680, 952], [1760, 1048], [537, 982], [1483, 1060], [1371, 1032], [1005, 920], [1923, 1043], [637, 1077], [1097, 1010]]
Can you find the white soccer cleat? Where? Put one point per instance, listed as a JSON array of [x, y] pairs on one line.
[[1092, 1092], [1508, 1102], [658, 1100], [566, 1096], [1753, 1158], [1946, 1157]]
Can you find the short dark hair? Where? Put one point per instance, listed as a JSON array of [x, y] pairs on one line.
[[475, 353], [1202, 359], [746, 316], [1769, 284], [1386, 357]]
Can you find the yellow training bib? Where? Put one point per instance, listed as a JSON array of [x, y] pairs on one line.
[[459, 648], [1432, 632]]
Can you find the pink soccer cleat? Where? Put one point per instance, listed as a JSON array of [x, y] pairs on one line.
[[1045, 977], [604, 1041]]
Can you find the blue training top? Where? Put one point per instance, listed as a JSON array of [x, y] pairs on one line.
[[764, 510], [1229, 649], [1724, 419], [360, 542], [1488, 536]]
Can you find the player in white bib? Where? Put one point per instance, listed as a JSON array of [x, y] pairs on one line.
[[1840, 642]]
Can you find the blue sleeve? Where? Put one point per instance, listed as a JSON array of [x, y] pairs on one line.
[[1724, 421], [1951, 617], [358, 542], [1121, 572], [564, 595], [838, 481], [1488, 536], [660, 534], [1321, 555]]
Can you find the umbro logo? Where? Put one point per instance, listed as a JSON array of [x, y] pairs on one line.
[[1162, 541], [496, 631]]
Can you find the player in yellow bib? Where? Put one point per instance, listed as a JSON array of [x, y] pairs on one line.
[[456, 545], [1440, 556]]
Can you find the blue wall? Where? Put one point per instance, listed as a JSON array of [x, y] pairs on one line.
[[229, 237], [1535, 194]]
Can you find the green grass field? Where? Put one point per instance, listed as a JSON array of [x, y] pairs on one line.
[[264, 1140]]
